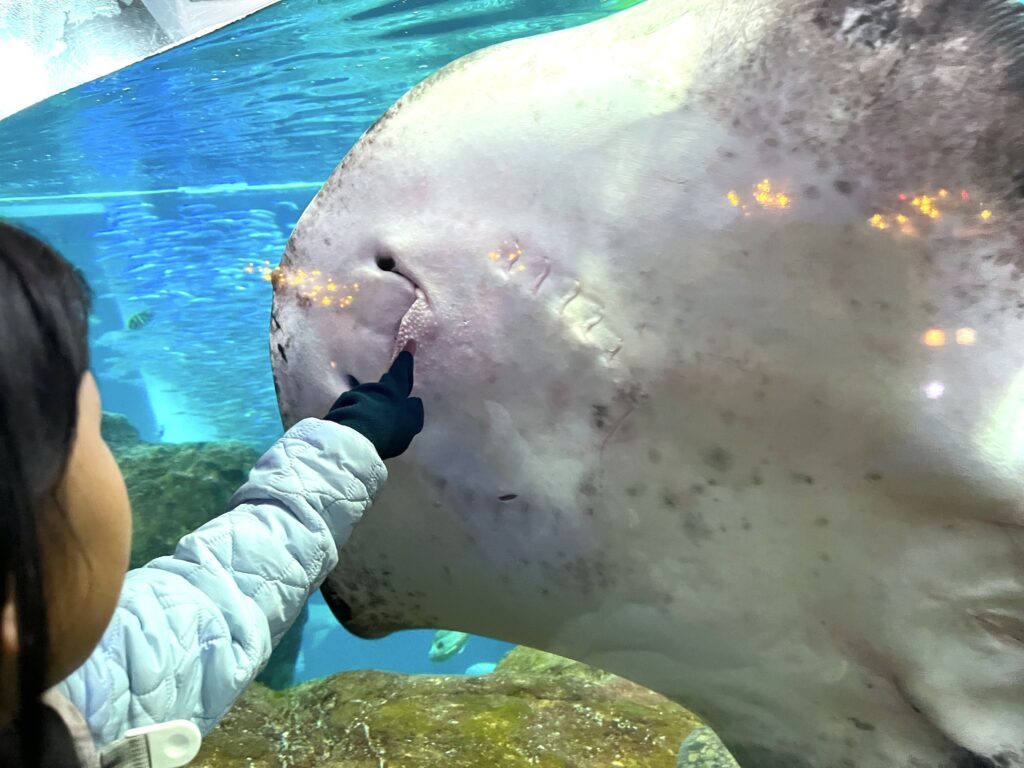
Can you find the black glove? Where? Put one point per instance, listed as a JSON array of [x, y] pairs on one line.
[[383, 412]]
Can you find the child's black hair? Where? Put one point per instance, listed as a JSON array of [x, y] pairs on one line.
[[44, 355]]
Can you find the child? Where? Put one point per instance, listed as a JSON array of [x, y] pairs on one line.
[[181, 637]]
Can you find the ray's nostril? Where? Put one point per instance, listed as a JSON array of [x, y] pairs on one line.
[[386, 262]]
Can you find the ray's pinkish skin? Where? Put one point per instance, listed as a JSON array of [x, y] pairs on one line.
[[691, 284]]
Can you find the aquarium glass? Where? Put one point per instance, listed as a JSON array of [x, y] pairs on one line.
[[175, 181]]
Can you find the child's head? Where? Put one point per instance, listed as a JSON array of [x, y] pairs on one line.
[[65, 525]]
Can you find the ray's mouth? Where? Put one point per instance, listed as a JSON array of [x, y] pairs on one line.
[[416, 324]]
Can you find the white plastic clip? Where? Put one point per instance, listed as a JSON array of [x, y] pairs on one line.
[[164, 745]]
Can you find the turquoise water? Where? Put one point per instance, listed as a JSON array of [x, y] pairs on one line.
[[172, 181]]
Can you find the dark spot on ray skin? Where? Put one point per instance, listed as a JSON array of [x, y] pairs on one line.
[[746, 526], [697, 488], [630, 395], [711, 481], [843, 187], [669, 499], [771, 142], [799, 477], [964, 759], [1018, 183], [587, 488], [654, 455], [589, 511], [860, 725], [280, 351], [756, 478], [821, 522], [636, 490], [599, 415], [508, 497], [873, 477], [728, 418], [722, 528], [811, 192], [825, 557]]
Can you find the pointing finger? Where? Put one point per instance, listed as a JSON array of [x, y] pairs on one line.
[[399, 375]]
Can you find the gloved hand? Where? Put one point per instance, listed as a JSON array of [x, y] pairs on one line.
[[383, 412]]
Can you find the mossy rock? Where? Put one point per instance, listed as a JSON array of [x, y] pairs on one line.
[[174, 488], [527, 661], [565, 715], [118, 432]]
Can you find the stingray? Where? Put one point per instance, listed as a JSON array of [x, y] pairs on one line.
[[721, 345]]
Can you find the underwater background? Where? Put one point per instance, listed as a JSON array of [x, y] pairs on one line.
[[174, 184]]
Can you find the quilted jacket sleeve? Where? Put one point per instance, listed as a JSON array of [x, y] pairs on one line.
[[193, 629]]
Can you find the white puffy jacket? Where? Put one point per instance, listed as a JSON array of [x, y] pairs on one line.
[[193, 629]]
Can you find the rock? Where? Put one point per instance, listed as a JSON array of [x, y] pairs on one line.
[[174, 489], [703, 749], [533, 710], [118, 432]]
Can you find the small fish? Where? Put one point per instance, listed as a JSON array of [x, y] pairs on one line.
[[480, 668], [139, 320], [447, 643]]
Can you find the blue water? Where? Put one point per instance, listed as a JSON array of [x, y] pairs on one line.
[[167, 181]]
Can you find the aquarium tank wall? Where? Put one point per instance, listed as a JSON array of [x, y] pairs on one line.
[[174, 181]]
